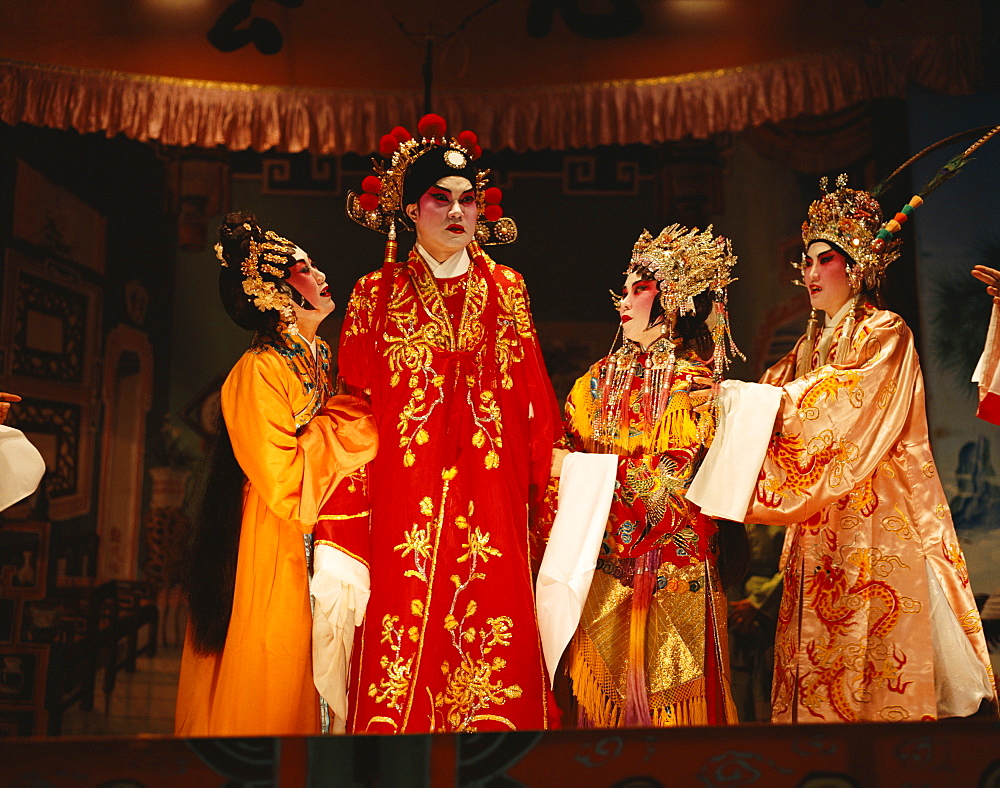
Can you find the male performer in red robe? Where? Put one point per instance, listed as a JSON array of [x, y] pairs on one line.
[[445, 344]]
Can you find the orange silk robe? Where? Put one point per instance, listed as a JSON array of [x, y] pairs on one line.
[[849, 470], [467, 420], [294, 443], [674, 631]]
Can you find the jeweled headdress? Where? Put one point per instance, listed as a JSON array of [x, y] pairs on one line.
[[685, 262], [271, 257], [851, 219], [380, 204]]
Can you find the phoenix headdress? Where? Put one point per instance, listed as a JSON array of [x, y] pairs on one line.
[[684, 262]]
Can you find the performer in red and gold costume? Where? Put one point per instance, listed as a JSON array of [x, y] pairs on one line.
[[650, 647], [877, 619], [283, 445], [445, 344]]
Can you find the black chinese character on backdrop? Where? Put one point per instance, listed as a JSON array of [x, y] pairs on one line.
[[226, 34], [624, 18]]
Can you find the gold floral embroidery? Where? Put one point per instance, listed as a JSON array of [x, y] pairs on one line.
[[410, 352], [474, 685], [362, 304], [418, 542], [489, 424], [515, 327], [928, 469], [396, 685]]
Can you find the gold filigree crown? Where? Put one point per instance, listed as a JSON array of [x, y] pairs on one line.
[[685, 263], [379, 205], [851, 219], [272, 256]]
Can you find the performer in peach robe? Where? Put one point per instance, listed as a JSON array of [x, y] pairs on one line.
[[877, 619], [284, 444]]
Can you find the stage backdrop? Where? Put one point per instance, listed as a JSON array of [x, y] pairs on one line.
[[958, 227]]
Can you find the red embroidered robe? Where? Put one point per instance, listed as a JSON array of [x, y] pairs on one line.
[[467, 419], [672, 632]]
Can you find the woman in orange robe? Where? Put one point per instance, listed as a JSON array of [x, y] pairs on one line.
[[283, 445]]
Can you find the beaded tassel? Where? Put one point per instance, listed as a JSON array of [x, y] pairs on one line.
[[389, 256], [665, 382], [804, 361], [849, 321], [614, 385], [724, 347], [648, 384]]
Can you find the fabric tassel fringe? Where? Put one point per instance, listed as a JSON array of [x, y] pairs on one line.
[[636, 693]]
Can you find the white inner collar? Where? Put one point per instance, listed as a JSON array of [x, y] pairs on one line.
[[837, 319], [310, 343], [456, 265]]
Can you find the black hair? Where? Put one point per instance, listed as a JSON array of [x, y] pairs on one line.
[[428, 170], [209, 567], [693, 329], [212, 546]]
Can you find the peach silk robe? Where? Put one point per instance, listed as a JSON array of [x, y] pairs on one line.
[[294, 443], [849, 470]]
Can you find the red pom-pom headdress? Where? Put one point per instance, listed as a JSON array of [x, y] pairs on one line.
[[379, 206]]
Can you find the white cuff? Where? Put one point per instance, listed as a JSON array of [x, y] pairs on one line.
[[726, 480], [586, 486], [340, 588], [21, 467]]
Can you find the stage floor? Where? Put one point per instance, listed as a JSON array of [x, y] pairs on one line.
[[950, 753]]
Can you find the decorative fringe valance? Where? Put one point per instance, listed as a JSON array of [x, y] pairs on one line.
[[185, 112]]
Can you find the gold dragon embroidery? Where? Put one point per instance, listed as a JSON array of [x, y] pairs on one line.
[[802, 467], [827, 388], [845, 665]]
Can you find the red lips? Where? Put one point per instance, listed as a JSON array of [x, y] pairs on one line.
[[455, 228]]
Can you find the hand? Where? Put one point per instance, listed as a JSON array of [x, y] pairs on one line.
[[558, 455], [701, 396], [5, 400], [991, 278], [742, 615]]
